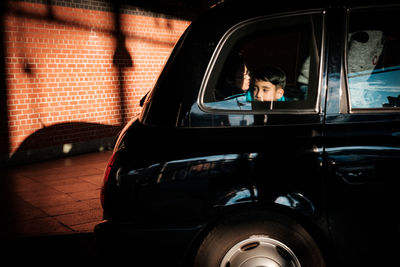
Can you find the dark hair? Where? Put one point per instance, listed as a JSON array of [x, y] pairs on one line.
[[233, 65], [274, 75]]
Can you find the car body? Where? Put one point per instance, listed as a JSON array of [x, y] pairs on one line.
[[195, 165]]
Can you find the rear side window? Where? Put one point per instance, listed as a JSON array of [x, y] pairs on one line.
[[373, 59], [266, 64]]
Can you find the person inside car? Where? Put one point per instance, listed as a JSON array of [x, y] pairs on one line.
[[268, 84], [235, 78]]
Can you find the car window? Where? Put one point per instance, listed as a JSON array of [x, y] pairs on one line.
[[373, 59], [266, 64]]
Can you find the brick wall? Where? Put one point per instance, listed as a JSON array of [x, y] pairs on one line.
[[75, 73]]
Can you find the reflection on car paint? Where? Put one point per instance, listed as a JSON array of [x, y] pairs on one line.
[[179, 170], [240, 195], [353, 149], [296, 201]]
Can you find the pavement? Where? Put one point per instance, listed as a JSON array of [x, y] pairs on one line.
[[49, 209], [57, 197]]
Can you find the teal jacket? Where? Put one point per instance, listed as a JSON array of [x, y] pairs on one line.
[[250, 98]]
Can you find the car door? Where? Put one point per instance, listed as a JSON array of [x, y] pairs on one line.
[[363, 138], [222, 145], [282, 137]]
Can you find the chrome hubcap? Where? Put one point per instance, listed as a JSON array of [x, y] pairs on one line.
[[260, 251]]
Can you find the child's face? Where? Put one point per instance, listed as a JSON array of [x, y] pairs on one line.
[[266, 91]]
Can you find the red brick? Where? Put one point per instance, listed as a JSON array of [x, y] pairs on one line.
[[71, 75]]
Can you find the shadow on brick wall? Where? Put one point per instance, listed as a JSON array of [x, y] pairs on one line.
[[4, 131], [65, 139], [121, 59], [73, 137]]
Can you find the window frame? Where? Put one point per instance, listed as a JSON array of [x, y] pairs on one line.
[[364, 10], [225, 45]]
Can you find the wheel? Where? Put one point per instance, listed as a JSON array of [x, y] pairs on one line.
[[258, 239]]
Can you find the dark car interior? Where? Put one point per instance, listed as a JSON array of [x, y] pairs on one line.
[[294, 48]]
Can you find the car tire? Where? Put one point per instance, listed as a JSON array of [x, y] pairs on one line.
[[258, 239]]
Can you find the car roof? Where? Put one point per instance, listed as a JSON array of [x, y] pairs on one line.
[[227, 13], [226, 8], [242, 5]]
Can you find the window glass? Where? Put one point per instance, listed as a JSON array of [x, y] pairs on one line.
[[266, 65], [373, 59]]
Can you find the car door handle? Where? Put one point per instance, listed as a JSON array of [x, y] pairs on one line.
[[357, 175]]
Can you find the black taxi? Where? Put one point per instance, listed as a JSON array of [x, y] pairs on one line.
[[271, 138]]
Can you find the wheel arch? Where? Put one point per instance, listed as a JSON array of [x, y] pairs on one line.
[[221, 214]]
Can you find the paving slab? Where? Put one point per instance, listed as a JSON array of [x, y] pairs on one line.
[[54, 197]]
